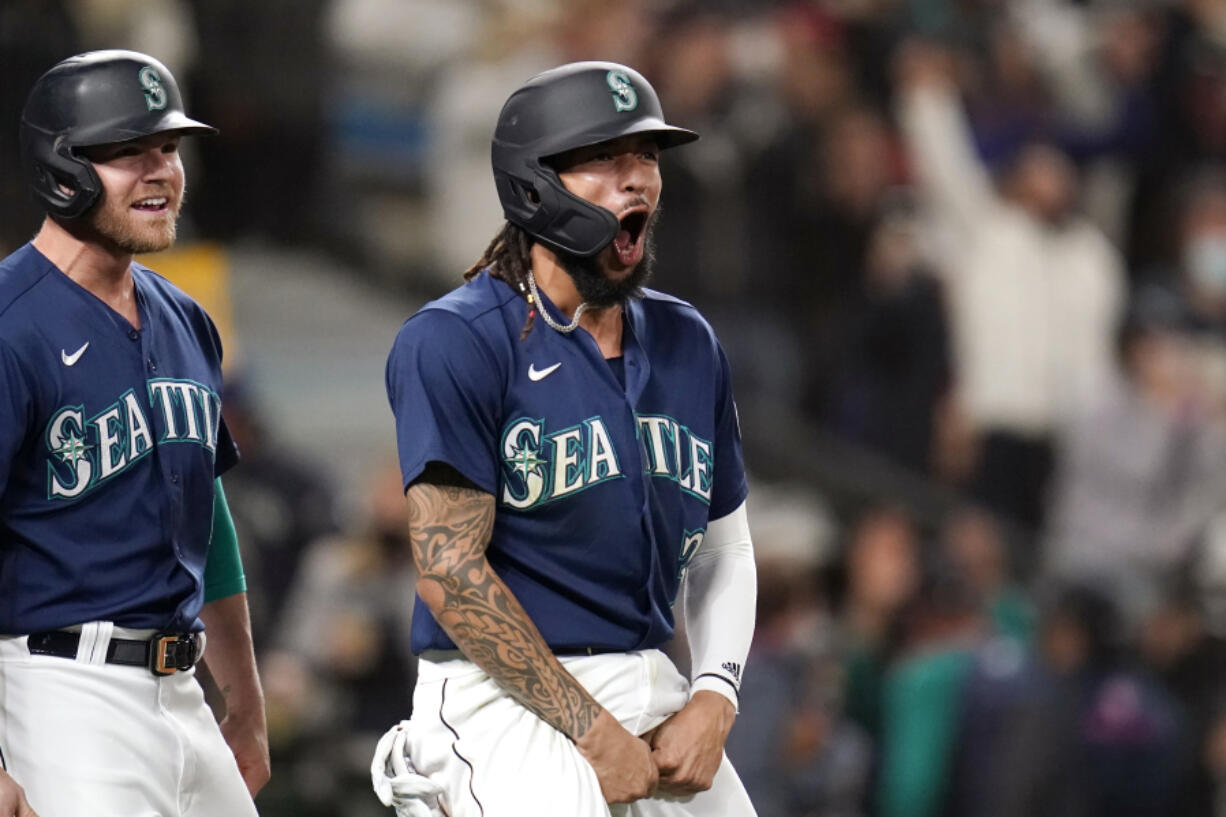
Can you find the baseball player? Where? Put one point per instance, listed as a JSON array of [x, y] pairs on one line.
[[570, 452], [116, 546]]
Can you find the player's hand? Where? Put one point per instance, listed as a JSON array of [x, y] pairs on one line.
[[13, 798], [247, 738], [622, 762], [688, 747]]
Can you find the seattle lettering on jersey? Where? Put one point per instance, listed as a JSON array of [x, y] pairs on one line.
[[544, 467], [674, 452], [86, 453]]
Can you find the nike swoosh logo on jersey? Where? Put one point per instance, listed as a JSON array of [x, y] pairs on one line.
[[535, 374], [71, 360]]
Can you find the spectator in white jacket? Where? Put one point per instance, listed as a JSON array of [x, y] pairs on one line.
[[1035, 290]]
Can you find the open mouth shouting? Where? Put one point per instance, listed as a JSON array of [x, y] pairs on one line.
[[631, 238]]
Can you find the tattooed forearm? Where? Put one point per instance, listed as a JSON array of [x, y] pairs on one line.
[[450, 529]]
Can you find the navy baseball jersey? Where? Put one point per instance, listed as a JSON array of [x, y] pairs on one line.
[[110, 440], [603, 491]]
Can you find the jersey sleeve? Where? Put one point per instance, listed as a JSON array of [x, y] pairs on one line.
[[223, 571], [445, 388], [729, 486], [227, 449], [227, 454], [15, 411]]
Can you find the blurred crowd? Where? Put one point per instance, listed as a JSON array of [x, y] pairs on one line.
[[968, 261]]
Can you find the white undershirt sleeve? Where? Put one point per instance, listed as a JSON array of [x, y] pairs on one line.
[[719, 603]]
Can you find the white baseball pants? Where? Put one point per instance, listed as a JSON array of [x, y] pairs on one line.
[[87, 737], [494, 758]]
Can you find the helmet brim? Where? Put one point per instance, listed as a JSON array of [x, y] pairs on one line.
[[115, 132], [667, 136]]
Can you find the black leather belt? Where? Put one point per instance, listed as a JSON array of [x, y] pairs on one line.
[[162, 654], [564, 652]]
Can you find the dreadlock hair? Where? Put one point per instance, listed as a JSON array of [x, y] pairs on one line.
[[508, 259]]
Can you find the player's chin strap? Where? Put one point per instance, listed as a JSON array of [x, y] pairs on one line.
[[397, 783]]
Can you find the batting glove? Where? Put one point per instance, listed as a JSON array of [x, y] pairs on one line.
[[397, 782]]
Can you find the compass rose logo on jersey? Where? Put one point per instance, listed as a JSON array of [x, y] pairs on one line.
[[542, 467], [86, 451]]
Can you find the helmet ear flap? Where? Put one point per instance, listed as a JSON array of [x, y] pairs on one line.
[[568, 222], [529, 194], [57, 168], [552, 214], [520, 201]]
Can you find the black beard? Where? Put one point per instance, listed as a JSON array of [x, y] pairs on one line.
[[596, 289]]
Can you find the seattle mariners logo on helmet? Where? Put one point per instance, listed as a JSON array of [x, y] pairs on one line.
[[624, 97], [94, 98], [572, 106]]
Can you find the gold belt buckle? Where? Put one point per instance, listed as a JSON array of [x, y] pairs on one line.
[[159, 655]]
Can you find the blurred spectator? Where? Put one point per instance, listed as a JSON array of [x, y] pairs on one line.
[[349, 613], [1200, 278], [817, 176], [821, 164], [1209, 571], [260, 78], [972, 543], [280, 504], [1101, 64], [34, 35], [1002, 681], [1191, 662], [1127, 169], [889, 346], [343, 671], [1007, 101], [1194, 82], [1126, 172], [1127, 728], [922, 695], [1129, 513], [1085, 734], [798, 754], [1034, 288], [881, 572]]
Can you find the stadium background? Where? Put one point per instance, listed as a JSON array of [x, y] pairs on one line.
[[987, 431]]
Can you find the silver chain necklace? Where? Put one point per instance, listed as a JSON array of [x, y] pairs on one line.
[[540, 307]]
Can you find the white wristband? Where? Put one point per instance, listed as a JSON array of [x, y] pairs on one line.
[[717, 683]]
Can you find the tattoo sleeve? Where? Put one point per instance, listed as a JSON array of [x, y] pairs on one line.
[[450, 527]]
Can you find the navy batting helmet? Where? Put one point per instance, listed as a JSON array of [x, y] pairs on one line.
[[94, 98], [572, 106]]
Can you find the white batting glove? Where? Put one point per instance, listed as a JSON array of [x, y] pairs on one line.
[[397, 783]]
